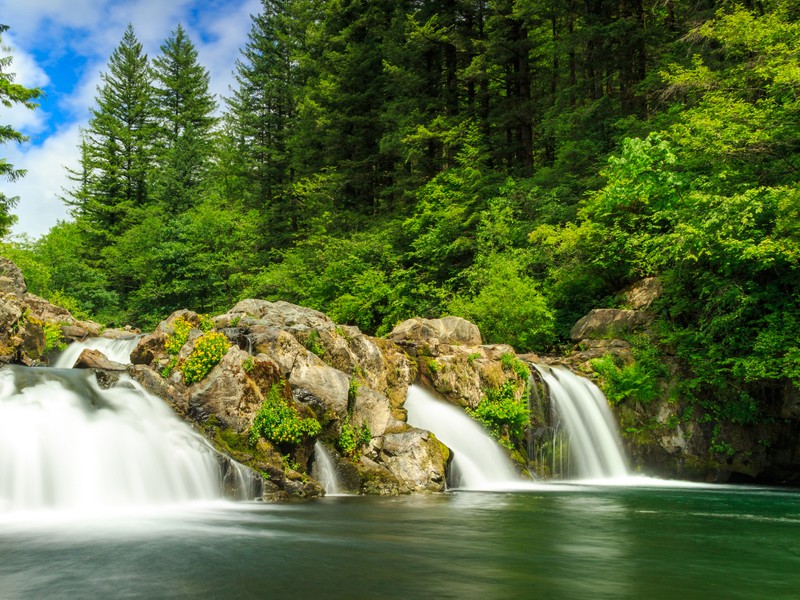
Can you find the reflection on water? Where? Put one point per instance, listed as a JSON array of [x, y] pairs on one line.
[[590, 542]]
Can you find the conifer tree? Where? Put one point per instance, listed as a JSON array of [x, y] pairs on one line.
[[262, 110], [11, 93], [117, 148], [184, 111]]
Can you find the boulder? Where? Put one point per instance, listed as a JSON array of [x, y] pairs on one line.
[[11, 279], [454, 331], [640, 295], [609, 322], [415, 459], [94, 359]]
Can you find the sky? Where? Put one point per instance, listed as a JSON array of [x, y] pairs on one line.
[[62, 47]]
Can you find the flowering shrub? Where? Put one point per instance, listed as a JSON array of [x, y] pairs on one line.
[[175, 342], [279, 423], [208, 351]]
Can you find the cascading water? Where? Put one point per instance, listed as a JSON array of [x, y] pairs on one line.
[[583, 411], [116, 350], [478, 461], [324, 471], [67, 444]]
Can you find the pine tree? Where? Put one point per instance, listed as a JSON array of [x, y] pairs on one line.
[[184, 111], [262, 110], [11, 93], [117, 147]]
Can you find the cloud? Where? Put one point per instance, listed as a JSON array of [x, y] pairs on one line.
[[28, 73], [40, 206]]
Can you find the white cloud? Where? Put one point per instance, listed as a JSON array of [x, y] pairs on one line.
[[28, 73], [40, 206]]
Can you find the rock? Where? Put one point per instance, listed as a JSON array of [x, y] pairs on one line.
[[330, 386], [373, 409], [41, 309], [454, 331], [149, 348], [277, 314], [604, 322], [225, 394], [94, 359], [11, 279], [643, 293], [175, 393], [416, 459], [74, 332]]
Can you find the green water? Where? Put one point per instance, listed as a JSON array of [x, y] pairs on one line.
[[580, 542]]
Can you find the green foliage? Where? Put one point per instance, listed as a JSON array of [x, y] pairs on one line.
[[511, 362], [633, 382], [313, 344], [352, 439], [507, 306], [505, 416], [52, 336], [248, 365], [434, 365], [279, 422], [208, 351]]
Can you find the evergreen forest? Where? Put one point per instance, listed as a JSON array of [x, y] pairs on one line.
[[514, 162]]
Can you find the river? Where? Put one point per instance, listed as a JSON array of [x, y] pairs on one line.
[[549, 541]]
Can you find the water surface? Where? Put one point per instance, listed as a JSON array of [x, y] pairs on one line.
[[548, 542]]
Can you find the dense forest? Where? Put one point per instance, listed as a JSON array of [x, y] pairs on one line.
[[515, 162]]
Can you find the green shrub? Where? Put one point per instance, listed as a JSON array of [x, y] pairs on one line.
[[313, 344], [279, 423], [635, 381], [502, 414], [352, 439], [52, 337], [207, 353], [511, 362]]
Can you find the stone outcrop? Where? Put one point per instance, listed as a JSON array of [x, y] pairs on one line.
[[24, 317], [609, 322], [334, 374], [94, 359]]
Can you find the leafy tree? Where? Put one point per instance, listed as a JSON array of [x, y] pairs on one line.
[[10, 94]]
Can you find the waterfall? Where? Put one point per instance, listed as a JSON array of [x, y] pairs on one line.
[[117, 350], [324, 470], [478, 461], [67, 444], [583, 411]]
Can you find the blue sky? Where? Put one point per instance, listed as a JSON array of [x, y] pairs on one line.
[[62, 46]]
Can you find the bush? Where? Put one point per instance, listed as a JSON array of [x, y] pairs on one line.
[[279, 423], [502, 414], [352, 439], [207, 353], [174, 342]]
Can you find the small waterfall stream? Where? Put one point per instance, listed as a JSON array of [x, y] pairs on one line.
[[478, 461], [117, 350], [581, 409], [324, 471]]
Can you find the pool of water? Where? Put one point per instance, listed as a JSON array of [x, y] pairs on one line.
[[558, 541]]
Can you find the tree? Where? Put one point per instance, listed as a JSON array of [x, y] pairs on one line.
[[184, 113], [11, 93], [117, 148]]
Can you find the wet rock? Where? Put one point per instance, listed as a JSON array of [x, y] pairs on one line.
[[415, 459], [94, 359]]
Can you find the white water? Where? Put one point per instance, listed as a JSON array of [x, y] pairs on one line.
[[116, 350], [479, 463], [68, 445], [324, 471], [584, 413]]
